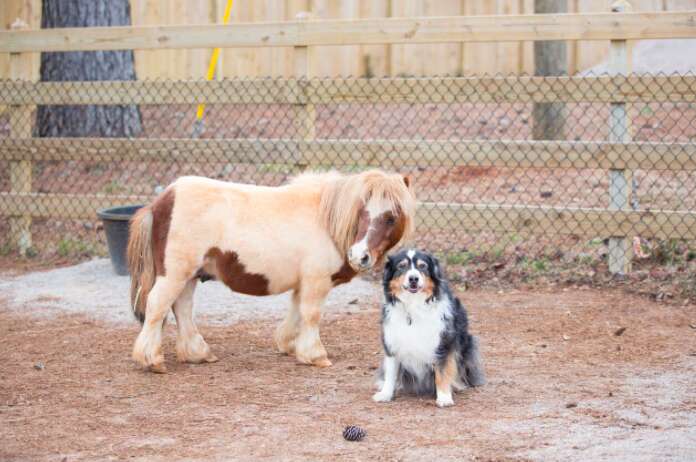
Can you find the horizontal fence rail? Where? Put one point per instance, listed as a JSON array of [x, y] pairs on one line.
[[361, 153], [525, 89], [603, 26], [522, 220]]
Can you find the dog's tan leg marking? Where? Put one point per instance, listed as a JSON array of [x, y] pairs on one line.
[[147, 350], [287, 331], [308, 346], [444, 377], [190, 346]]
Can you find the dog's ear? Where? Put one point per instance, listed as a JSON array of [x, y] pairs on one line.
[[436, 275], [387, 276]]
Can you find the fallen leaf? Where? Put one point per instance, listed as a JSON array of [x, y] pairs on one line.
[[619, 331]]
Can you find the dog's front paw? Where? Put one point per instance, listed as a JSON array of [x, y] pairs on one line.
[[382, 397], [444, 401]]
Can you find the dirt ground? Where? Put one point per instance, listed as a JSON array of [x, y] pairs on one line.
[[565, 383]]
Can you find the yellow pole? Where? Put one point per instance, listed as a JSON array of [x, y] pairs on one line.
[[214, 58]]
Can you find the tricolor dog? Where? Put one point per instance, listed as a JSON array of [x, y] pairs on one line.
[[427, 346]]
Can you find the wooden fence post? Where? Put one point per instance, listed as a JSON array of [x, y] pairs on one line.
[[305, 114], [20, 127], [620, 248]]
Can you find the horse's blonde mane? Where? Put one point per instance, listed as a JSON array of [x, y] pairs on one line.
[[343, 196]]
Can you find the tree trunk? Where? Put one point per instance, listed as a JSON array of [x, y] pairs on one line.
[[550, 58], [87, 121]]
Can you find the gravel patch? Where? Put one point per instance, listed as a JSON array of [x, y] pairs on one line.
[[92, 289]]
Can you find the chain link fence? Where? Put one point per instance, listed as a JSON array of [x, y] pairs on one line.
[[496, 194]]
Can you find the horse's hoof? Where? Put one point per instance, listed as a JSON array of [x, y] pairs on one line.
[[211, 358], [322, 362], [158, 368]]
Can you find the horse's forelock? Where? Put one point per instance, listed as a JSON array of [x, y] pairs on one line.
[[345, 196]]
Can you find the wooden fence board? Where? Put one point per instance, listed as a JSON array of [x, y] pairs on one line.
[[594, 26], [401, 153], [602, 89], [508, 219]]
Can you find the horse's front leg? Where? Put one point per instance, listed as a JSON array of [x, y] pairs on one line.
[[287, 331], [308, 346]]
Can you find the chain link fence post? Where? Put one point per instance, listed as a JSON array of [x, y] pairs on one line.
[[305, 114], [20, 128], [620, 248]]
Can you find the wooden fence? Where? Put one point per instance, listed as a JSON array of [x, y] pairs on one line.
[[462, 58], [619, 155]]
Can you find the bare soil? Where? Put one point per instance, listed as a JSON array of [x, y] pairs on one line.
[[573, 375]]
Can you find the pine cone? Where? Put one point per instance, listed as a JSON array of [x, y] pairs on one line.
[[354, 433]]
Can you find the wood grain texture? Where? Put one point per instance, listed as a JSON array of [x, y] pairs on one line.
[[600, 26]]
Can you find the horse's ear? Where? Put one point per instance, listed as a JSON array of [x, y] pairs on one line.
[[407, 181]]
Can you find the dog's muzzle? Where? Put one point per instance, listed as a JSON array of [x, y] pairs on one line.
[[413, 284]]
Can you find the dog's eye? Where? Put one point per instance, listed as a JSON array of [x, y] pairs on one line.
[[402, 264], [422, 266]]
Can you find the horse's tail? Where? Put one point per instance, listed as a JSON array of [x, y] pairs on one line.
[[141, 262]]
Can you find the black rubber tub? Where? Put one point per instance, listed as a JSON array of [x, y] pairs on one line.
[[116, 220]]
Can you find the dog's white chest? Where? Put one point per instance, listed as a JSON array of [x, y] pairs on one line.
[[412, 334]]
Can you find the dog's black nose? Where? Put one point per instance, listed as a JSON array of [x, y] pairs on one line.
[[413, 280]]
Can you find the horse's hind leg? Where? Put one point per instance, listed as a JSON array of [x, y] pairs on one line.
[[308, 346], [287, 331], [190, 346], [148, 346]]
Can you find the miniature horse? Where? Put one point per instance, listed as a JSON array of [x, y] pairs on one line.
[[307, 236]]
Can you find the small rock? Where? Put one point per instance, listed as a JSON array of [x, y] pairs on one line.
[[571, 405], [566, 338], [353, 302], [693, 325], [39, 366], [619, 331]]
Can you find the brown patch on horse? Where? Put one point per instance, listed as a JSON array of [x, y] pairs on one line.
[[162, 209], [363, 224], [343, 275], [233, 273], [385, 235]]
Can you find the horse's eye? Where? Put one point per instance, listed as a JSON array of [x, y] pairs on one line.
[[391, 221]]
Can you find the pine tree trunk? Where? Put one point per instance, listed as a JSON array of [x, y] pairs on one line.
[[87, 121], [550, 58]]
